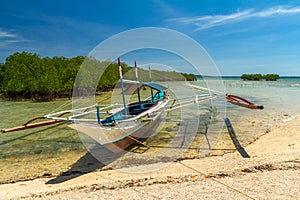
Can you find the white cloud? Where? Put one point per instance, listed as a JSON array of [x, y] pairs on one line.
[[6, 34], [209, 21], [279, 10], [9, 39]]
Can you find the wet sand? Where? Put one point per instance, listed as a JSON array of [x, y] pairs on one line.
[[272, 172]]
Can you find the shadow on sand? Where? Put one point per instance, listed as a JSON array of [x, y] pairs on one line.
[[91, 160], [88, 163]]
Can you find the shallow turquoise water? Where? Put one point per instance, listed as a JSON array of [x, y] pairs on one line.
[[279, 96], [280, 100], [50, 139]]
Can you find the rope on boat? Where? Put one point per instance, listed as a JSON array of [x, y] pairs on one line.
[[174, 101], [138, 141], [69, 102]]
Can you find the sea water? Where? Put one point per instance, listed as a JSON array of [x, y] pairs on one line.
[[34, 152], [281, 96], [280, 100]]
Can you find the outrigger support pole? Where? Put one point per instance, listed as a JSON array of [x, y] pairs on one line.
[[98, 114], [122, 86], [233, 99]]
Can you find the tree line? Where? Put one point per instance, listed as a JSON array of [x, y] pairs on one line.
[[257, 77], [29, 76]]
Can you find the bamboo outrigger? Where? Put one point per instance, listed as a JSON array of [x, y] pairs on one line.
[[29, 123]]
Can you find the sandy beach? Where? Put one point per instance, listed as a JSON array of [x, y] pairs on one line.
[[150, 100], [272, 172]]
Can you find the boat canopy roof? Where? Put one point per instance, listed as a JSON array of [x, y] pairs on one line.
[[131, 86], [155, 86]]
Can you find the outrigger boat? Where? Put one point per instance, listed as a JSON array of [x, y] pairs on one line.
[[117, 126]]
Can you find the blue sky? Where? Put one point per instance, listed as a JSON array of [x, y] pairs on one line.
[[240, 36]]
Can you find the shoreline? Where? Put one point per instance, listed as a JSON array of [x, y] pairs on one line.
[[79, 162], [273, 156]]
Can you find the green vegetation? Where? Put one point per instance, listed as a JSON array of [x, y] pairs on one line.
[[190, 77], [257, 77], [1, 74], [28, 76], [271, 77], [252, 77]]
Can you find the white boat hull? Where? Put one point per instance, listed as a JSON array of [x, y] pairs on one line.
[[123, 134]]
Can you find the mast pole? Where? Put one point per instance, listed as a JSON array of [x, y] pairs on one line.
[[150, 80], [122, 86], [150, 76], [137, 83]]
